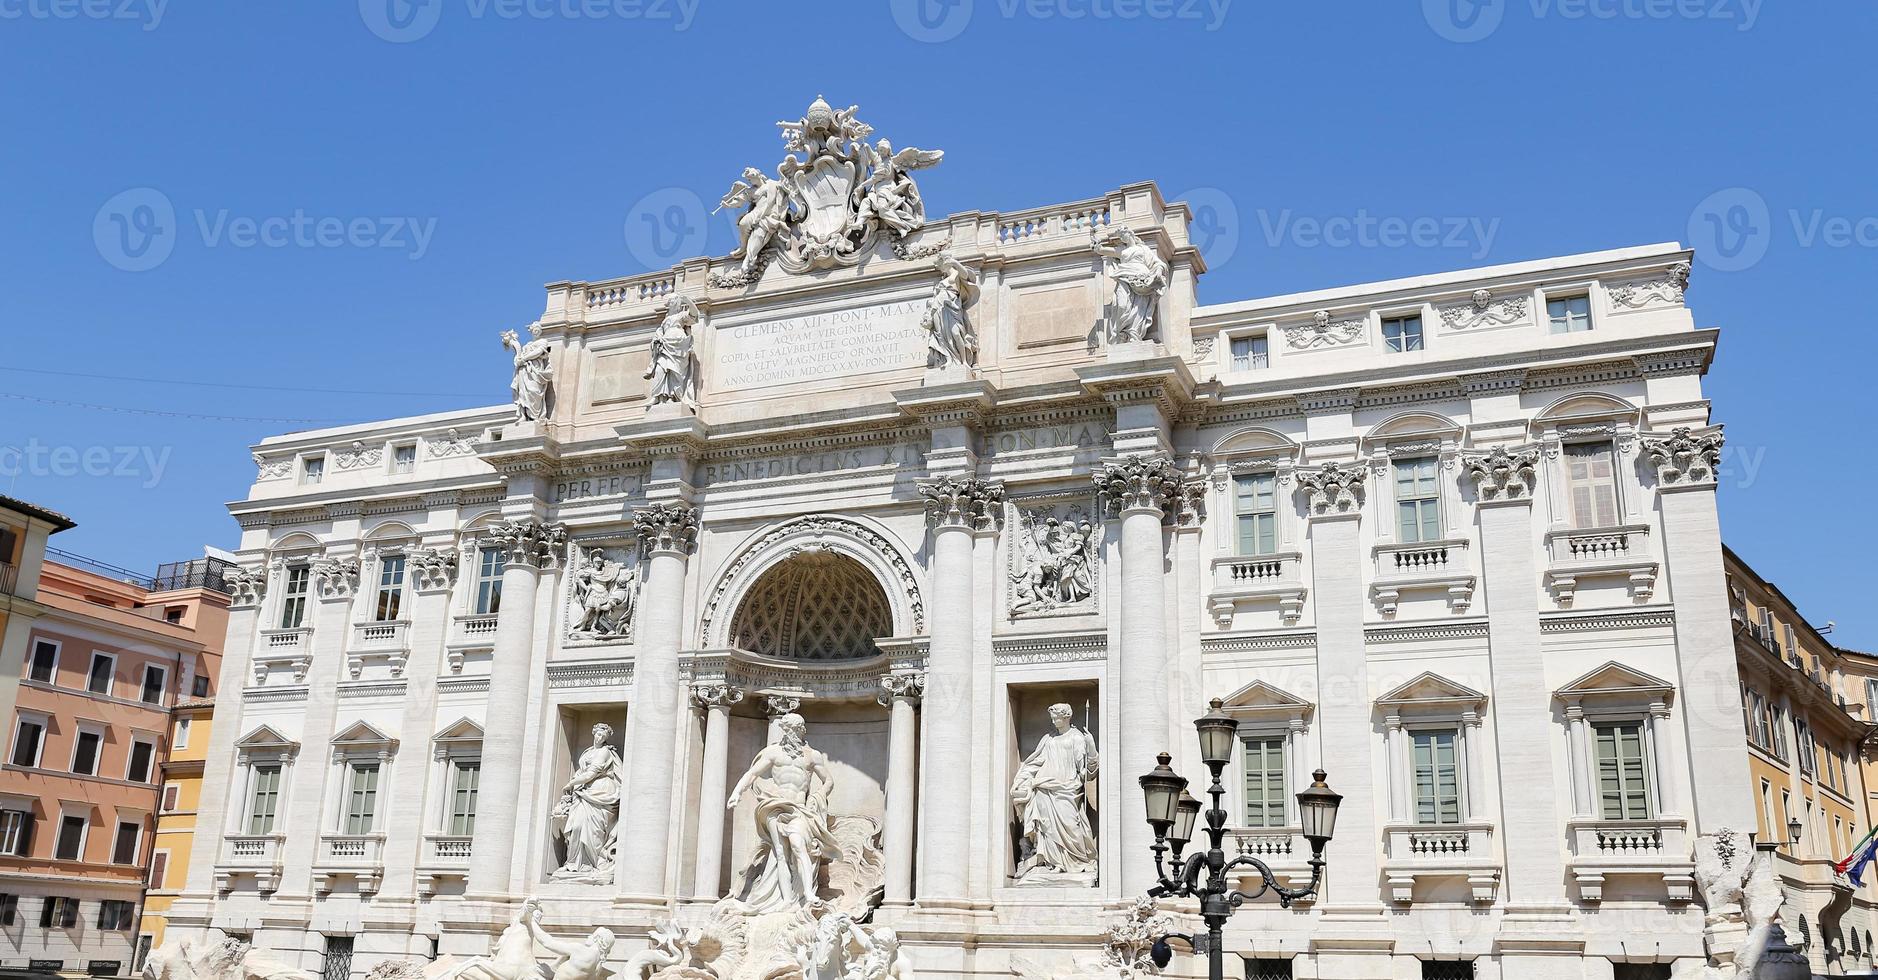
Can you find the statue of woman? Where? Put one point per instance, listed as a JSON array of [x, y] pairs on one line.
[[532, 378], [670, 371], [949, 337], [1051, 806], [589, 811], [1140, 277]]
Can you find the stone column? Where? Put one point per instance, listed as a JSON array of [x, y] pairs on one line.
[[900, 693], [529, 546], [955, 507], [666, 533], [336, 581], [1140, 488], [716, 700], [432, 573]]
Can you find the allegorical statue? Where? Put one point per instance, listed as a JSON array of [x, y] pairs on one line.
[[949, 336], [1140, 277], [605, 591], [672, 372], [1052, 806], [533, 376], [769, 202], [588, 812], [793, 831]]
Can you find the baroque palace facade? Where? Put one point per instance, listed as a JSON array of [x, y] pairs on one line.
[[987, 508]]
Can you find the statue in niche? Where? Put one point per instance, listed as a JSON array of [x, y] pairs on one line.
[[1052, 805], [533, 380], [1055, 567], [949, 336], [588, 812], [672, 372], [1140, 277], [794, 833], [606, 593]]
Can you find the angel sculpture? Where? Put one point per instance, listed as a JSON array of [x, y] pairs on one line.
[[949, 336], [769, 202], [530, 386], [888, 193], [671, 368]]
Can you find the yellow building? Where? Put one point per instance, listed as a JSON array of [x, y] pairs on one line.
[[176, 814], [1807, 713]]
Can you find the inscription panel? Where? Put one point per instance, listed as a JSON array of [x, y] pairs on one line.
[[818, 346]]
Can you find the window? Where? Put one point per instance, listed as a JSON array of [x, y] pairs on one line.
[[28, 739], [182, 733], [466, 775], [200, 688], [1447, 970], [16, 832], [1623, 786], [85, 752], [115, 913], [390, 587], [159, 870], [98, 681], [141, 754], [153, 678], [1767, 811], [1437, 777], [1267, 969], [1265, 782], [1417, 500], [264, 799], [489, 567], [58, 913], [404, 458], [45, 661], [1591, 484], [1779, 731], [313, 468], [174, 614], [171, 792], [1402, 333], [1250, 353], [1255, 507], [362, 799], [293, 596], [1803, 743], [124, 847], [71, 843], [1569, 314], [9, 909], [1639, 971]]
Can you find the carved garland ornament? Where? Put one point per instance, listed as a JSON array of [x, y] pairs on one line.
[[970, 503], [1503, 475], [1322, 331], [666, 527], [817, 527], [1667, 288], [1334, 488], [1136, 482], [1482, 310], [1685, 459], [532, 543]]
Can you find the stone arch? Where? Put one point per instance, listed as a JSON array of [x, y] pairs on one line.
[[296, 541], [873, 549], [814, 606], [1413, 424], [1256, 440], [1586, 405], [390, 530]]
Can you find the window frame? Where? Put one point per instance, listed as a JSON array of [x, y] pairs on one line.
[[180, 740], [1239, 515], [151, 765], [81, 729], [20, 831], [291, 601], [1644, 763], [390, 587], [58, 652], [43, 725], [91, 673], [1570, 503], [486, 589], [58, 834], [162, 686], [1401, 344], [250, 809], [1424, 499], [312, 469], [454, 767], [396, 465], [352, 821], [136, 841], [1266, 739], [1458, 765], [1252, 339], [1567, 296]]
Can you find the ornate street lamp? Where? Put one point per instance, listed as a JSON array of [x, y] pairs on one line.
[[1172, 812]]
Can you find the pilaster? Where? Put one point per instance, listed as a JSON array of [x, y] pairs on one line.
[[433, 575], [336, 584]]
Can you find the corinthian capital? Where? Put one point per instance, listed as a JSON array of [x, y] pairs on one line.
[[432, 569], [1686, 458], [1333, 488], [1133, 482], [968, 503], [666, 527], [336, 578], [246, 586], [528, 542], [896, 686], [716, 695], [1501, 474]]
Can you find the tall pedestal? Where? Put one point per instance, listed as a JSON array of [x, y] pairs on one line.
[[666, 533]]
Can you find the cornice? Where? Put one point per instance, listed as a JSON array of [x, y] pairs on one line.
[[1248, 642]]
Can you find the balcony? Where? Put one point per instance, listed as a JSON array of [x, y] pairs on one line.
[[249, 854], [475, 631], [445, 856], [1239, 580], [1623, 552], [1425, 566], [1282, 849], [357, 856], [1651, 848], [1417, 852], [389, 641], [288, 648]]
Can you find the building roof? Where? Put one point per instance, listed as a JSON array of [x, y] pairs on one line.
[[34, 510]]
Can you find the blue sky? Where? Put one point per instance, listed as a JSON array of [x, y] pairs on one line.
[[342, 191]]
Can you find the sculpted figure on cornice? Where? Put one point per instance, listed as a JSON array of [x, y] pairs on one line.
[[358, 454], [1503, 475], [1668, 288], [452, 444], [1054, 560], [587, 814], [1140, 277], [1685, 458], [949, 336], [1333, 488], [531, 387], [605, 595], [673, 368]]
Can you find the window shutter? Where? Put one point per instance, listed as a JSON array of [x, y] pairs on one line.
[[159, 869]]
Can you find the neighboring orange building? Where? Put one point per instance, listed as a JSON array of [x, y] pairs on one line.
[[24, 529], [176, 813], [106, 661]]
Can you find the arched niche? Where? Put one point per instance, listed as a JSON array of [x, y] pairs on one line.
[[868, 547]]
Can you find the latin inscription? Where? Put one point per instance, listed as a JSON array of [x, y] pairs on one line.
[[798, 349], [611, 485], [760, 467]]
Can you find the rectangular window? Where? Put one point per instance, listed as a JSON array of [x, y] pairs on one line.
[[263, 801], [1447, 970], [200, 688], [45, 661], [1779, 726], [1569, 314], [1803, 744], [171, 792], [1250, 353], [27, 739], [313, 469], [490, 565], [98, 681], [293, 596], [59, 913], [9, 909], [1255, 507], [153, 678], [468, 774], [114, 913], [16, 832], [1623, 784], [1267, 969], [404, 458], [182, 733], [1437, 778], [1591, 484], [1417, 500], [390, 587], [362, 800], [85, 752], [71, 843], [141, 755], [1402, 333], [1640, 971], [124, 848], [159, 870], [1264, 782]]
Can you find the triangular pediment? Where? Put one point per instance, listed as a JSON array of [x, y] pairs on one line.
[[265, 737], [460, 730], [1432, 690], [1259, 699], [360, 733], [1615, 679]]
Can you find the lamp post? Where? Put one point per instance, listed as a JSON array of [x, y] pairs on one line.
[[1172, 812]]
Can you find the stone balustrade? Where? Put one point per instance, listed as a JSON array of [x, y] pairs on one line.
[[1238, 580]]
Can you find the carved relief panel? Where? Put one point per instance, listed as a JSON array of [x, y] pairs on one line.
[[1051, 562]]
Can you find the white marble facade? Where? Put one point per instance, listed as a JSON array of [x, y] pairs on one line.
[[1443, 574]]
